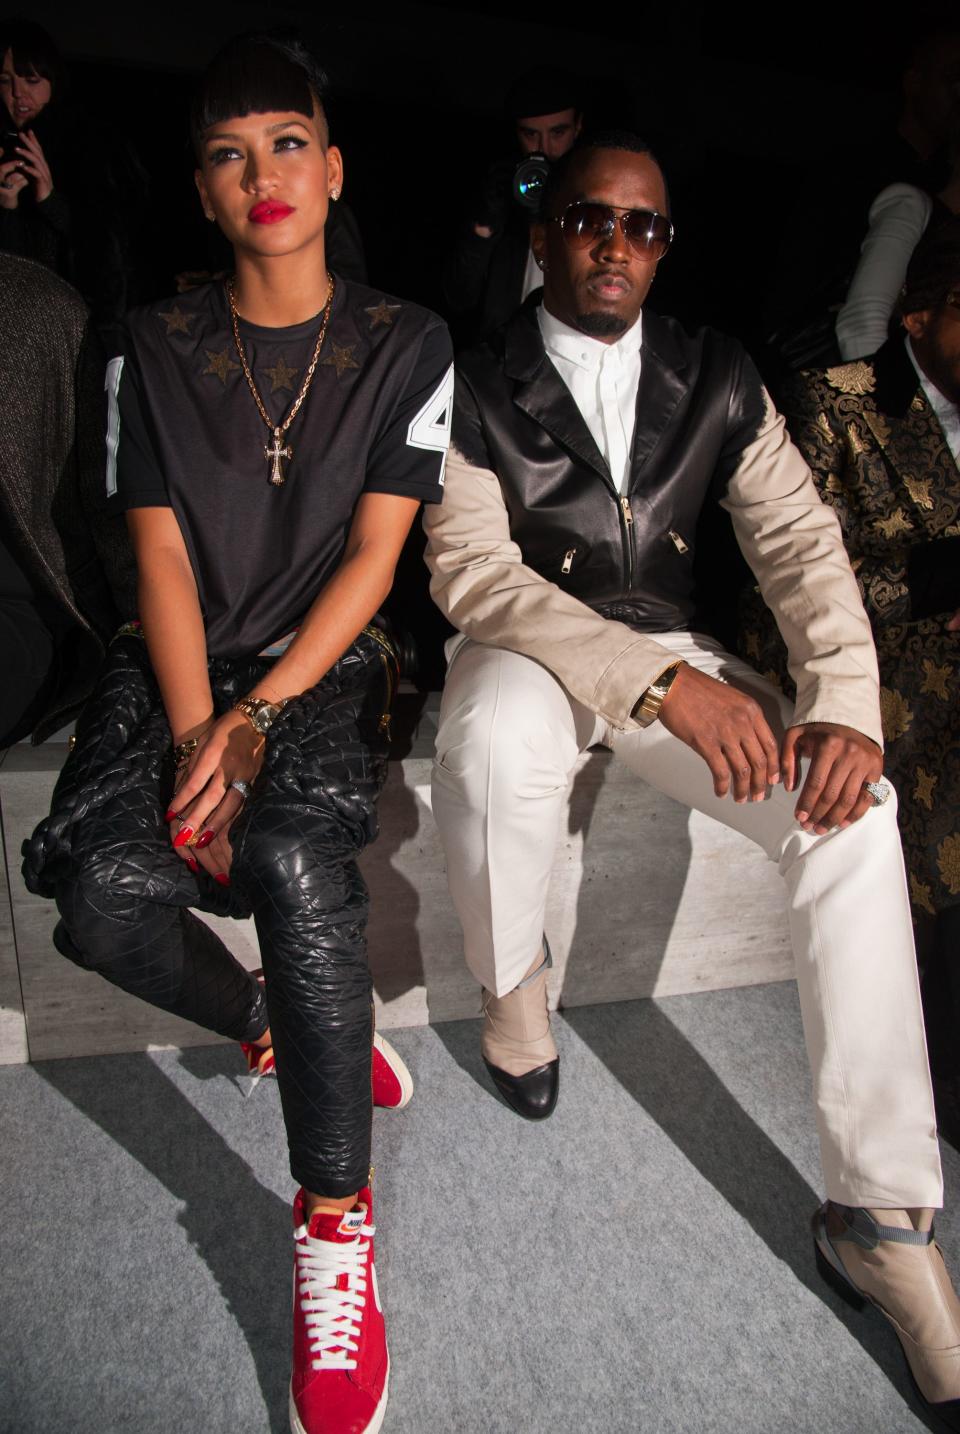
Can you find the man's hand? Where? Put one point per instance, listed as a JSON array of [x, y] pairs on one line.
[[727, 728], [841, 760]]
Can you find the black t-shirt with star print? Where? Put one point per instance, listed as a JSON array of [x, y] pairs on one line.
[[185, 432]]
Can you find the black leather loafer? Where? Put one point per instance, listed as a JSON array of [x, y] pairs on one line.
[[533, 1095]]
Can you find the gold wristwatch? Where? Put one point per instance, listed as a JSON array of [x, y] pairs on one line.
[[647, 710], [260, 713]]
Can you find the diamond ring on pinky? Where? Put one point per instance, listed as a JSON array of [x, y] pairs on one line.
[[880, 791], [245, 789]]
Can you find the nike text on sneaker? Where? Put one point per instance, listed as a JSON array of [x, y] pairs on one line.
[[340, 1361]]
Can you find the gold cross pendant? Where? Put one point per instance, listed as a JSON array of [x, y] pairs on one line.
[[274, 453]]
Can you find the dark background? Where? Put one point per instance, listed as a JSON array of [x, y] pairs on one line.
[[760, 117], [765, 121]]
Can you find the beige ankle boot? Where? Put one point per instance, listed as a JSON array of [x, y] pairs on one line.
[[890, 1258], [517, 1046]]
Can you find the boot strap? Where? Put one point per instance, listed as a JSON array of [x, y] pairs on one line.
[[545, 965], [864, 1230]]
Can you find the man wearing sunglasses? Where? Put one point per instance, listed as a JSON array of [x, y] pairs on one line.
[[588, 438]]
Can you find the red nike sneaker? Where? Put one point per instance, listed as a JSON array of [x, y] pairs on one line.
[[392, 1082], [341, 1368]]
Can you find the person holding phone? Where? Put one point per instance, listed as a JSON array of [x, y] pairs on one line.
[[72, 191], [35, 216]]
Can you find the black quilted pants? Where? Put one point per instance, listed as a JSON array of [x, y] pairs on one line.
[[125, 898]]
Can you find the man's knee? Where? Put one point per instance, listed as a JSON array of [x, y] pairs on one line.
[[497, 743]]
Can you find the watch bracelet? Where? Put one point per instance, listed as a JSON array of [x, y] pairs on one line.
[[647, 709]]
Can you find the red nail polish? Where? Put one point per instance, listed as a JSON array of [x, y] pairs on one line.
[[171, 815], [222, 877], [193, 864], [205, 838], [183, 836]]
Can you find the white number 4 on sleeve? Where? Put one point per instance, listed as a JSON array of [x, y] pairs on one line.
[[431, 427]]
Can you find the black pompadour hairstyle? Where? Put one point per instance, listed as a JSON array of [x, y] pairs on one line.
[[33, 52], [599, 139], [255, 74], [934, 268]]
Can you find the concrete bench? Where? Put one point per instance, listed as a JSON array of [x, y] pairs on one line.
[[646, 899]]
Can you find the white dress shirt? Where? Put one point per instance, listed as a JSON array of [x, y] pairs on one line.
[[532, 276], [602, 379], [947, 413]]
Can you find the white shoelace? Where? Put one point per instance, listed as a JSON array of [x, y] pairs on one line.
[[333, 1318]]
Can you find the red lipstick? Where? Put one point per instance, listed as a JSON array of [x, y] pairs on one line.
[[269, 211]]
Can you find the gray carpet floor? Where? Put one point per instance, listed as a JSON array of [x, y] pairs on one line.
[[639, 1262]]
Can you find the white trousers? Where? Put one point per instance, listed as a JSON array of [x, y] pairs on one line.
[[509, 739]]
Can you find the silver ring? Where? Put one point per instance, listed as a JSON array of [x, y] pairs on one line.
[[880, 791], [244, 788]]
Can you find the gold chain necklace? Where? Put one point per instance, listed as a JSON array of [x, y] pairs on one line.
[[277, 450]]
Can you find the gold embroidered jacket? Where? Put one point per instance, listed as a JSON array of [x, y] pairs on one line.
[[880, 459]]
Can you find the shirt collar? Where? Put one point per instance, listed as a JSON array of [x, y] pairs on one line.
[[588, 353], [940, 404]]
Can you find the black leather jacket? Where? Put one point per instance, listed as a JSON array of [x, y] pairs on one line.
[[700, 405]]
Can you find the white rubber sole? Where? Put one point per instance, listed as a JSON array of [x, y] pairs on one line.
[[396, 1064], [372, 1428]]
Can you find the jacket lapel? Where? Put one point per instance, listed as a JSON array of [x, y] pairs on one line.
[[542, 394], [911, 439], [660, 390]]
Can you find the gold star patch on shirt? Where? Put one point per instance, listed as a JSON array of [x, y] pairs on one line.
[[220, 364], [340, 358], [281, 375], [177, 321], [382, 313]]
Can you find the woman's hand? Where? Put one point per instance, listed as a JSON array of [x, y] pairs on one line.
[[12, 180], [204, 805], [33, 162]]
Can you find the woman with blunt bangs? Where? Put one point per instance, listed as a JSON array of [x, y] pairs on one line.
[[270, 439]]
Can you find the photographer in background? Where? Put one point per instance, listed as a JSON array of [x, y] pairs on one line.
[[72, 191], [491, 269]]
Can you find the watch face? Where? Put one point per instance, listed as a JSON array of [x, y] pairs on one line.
[[263, 717]]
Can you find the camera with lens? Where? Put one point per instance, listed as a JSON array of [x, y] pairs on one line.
[[529, 177]]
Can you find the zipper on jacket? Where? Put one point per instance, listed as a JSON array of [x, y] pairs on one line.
[[626, 519], [677, 541], [568, 558]]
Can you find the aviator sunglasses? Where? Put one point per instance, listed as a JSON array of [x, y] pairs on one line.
[[648, 233]]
